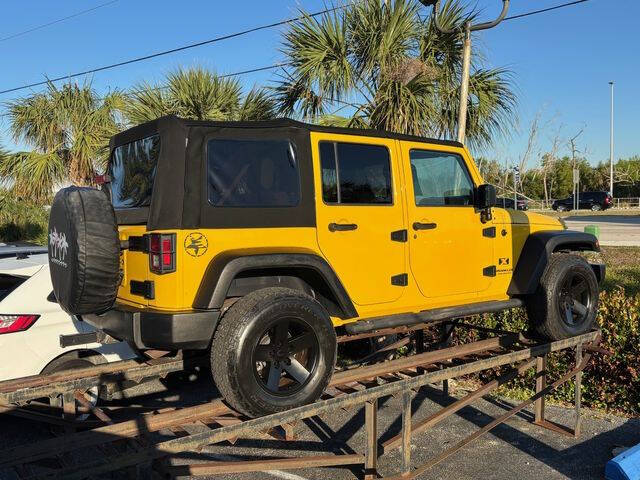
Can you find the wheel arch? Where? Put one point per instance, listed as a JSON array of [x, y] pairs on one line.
[[236, 274], [81, 353], [537, 251]]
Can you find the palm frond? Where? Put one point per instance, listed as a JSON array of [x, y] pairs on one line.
[[258, 104]]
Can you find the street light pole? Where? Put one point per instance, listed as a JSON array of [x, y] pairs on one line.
[[611, 146], [466, 57]]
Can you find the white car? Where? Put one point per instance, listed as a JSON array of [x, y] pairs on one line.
[[33, 327]]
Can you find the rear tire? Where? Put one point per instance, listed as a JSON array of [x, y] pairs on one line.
[[274, 349], [596, 208], [566, 302]]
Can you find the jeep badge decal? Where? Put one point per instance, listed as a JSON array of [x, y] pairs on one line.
[[58, 247], [196, 244]]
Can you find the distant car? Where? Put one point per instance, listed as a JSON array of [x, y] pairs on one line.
[[594, 201], [33, 326], [506, 202]]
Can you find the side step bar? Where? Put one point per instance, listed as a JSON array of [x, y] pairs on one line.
[[429, 316]]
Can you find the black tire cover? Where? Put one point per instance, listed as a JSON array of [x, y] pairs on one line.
[[84, 250]]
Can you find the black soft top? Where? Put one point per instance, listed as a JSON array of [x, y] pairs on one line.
[[179, 191], [172, 122]]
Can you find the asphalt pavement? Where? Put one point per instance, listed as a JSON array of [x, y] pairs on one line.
[[618, 230]]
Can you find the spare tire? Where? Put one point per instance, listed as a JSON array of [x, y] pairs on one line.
[[84, 250]]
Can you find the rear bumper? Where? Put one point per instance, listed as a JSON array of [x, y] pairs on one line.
[[154, 329]]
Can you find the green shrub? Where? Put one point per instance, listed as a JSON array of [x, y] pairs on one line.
[[610, 382], [22, 221]]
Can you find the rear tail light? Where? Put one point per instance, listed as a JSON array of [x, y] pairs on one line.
[[607, 199], [16, 323], [162, 252]]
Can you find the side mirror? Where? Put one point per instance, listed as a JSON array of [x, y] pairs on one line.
[[485, 196]]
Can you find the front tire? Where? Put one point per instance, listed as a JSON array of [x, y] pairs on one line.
[[274, 349], [566, 302]]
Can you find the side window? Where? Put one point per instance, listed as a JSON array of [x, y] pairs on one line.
[[355, 173], [440, 179], [252, 173]]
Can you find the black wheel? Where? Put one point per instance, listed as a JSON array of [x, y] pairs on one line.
[[274, 349], [595, 207], [566, 302], [69, 363], [561, 208]]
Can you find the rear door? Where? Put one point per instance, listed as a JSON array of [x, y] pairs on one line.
[[359, 207], [450, 249]]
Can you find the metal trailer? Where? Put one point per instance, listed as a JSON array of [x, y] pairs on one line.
[[214, 422]]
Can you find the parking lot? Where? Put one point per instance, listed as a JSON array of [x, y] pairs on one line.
[[516, 449]]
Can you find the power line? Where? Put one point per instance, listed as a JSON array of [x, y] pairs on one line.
[[39, 27], [535, 12], [173, 50], [237, 34]]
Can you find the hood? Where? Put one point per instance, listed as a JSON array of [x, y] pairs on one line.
[[519, 217]]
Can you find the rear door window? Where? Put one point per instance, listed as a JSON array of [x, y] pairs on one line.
[[354, 173], [252, 173]]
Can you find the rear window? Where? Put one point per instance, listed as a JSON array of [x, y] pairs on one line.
[[252, 173], [8, 283], [354, 173], [132, 170]]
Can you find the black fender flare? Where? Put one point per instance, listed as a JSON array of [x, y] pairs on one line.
[[224, 268], [536, 252]]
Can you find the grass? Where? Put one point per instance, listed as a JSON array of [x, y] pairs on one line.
[[623, 268]]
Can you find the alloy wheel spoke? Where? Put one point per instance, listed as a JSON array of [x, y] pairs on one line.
[[275, 372], [281, 332], [262, 353], [302, 342], [568, 313], [578, 289], [297, 371], [579, 308]]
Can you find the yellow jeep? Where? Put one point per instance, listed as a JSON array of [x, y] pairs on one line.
[[257, 240]]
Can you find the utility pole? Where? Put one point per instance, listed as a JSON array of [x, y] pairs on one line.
[[466, 57], [611, 146]]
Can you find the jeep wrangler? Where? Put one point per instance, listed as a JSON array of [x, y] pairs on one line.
[[257, 240]]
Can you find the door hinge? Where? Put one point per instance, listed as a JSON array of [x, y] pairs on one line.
[[489, 271], [400, 280], [399, 236], [489, 232]]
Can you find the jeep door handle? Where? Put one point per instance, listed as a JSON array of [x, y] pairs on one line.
[[342, 227], [424, 226]]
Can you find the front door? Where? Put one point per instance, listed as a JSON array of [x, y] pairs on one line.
[[357, 209], [450, 249]]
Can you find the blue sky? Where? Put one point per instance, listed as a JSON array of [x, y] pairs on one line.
[[562, 60]]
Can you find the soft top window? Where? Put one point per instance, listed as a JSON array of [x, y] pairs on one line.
[[132, 170], [252, 173]]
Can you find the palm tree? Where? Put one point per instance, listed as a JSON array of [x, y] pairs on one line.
[[199, 94], [68, 129], [392, 70]]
